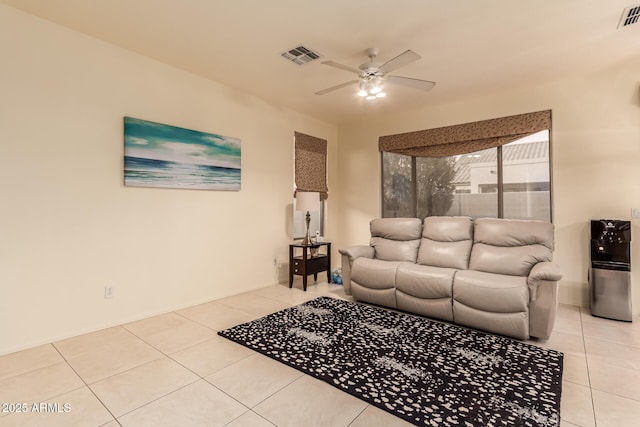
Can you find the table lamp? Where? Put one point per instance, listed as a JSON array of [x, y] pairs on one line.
[[307, 201]]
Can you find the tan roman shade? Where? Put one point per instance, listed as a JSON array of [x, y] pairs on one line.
[[311, 164], [466, 138]]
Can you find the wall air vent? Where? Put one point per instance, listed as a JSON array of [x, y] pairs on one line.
[[300, 55], [630, 15]]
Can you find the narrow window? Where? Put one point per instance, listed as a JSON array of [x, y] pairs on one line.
[[310, 167]]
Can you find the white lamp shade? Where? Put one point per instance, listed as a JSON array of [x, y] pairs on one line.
[[307, 201]]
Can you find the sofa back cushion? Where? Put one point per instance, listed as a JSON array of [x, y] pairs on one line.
[[513, 247], [396, 239], [446, 242]]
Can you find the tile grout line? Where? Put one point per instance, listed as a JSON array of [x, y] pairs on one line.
[[200, 377], [34, 369], [130, 369], [197, 374], [358, 416], [204, 325], [271, 395], [164, 330], [586, 360], [159, 397], [168, 356], [86, 384], [254, 412], [591, 388], [302, 374]]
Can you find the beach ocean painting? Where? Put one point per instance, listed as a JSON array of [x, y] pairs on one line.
[[157, 155]]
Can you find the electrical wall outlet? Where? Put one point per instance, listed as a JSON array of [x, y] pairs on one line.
[[108, 291], [635, 212]]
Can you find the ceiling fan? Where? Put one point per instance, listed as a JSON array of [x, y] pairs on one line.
[[372, 75]]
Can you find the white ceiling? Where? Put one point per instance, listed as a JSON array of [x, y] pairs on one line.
[[468, 47]]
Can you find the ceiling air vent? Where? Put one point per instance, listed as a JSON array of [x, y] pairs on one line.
[[300, 55], [630, 15]]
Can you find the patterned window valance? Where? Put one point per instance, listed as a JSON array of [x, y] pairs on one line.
[[466, 138], [311, 164]]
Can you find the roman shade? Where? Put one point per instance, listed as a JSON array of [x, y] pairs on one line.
[[311, 164], [466, 138]]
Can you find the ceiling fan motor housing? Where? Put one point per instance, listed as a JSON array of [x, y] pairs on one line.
[[371, 69]]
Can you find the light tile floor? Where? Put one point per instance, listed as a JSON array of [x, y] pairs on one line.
[[173, 370]]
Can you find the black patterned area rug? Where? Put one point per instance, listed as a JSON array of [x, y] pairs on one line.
[[428, 373]]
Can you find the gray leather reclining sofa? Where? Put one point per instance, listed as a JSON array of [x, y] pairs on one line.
[[490, 274]]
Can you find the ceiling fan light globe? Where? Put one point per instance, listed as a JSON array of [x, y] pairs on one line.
[[380, 95], [371, 97], [375, 89], [362, 93]]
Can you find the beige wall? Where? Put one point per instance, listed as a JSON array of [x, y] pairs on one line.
[[68, 226], [596, 160]]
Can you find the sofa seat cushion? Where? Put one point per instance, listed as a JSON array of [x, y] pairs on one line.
[[425, 290], [426, 282], [374, 273], [384, 297], [491, 292], [514, 325]]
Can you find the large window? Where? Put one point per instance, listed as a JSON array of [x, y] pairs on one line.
[[508, 181]]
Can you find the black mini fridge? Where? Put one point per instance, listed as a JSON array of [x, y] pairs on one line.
[[610, 272]]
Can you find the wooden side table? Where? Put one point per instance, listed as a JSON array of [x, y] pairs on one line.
[[305, 264]]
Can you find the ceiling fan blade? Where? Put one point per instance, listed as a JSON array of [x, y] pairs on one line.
[[401, 60], [341, 66], [412, 83], [340, 86]]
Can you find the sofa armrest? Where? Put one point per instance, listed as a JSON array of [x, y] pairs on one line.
[[348, 256], [543, 289], [357, 252], [543, 271]]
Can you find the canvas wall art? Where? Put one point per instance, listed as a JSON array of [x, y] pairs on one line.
[[157, 155]]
